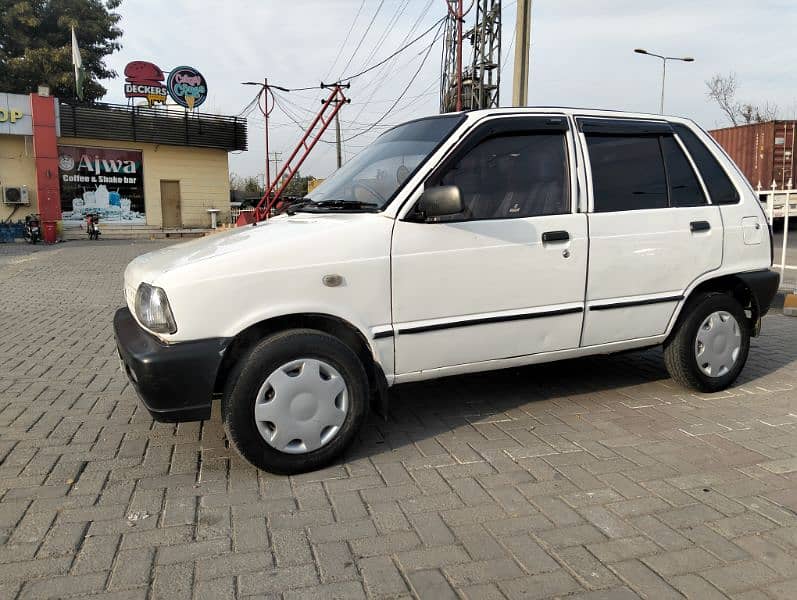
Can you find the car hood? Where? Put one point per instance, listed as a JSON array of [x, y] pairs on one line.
[[282, 240]]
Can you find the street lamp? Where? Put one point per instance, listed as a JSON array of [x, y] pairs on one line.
[[664, 60]]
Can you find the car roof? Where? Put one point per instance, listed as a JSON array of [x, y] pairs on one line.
[[574, 111]]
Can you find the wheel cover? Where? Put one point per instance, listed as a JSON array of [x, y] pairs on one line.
[[718, 344], [301, 406]]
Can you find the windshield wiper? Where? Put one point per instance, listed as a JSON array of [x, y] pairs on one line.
[[336, 204]]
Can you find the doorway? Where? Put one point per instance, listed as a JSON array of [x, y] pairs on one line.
[[170, 203]]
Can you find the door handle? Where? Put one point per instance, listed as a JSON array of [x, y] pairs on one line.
[[699, 226], [555, 236]]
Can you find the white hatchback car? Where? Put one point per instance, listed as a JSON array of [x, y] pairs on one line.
[[457, 243]]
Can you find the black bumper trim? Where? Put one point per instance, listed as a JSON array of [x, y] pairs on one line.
[[764, 285], [174, 381]]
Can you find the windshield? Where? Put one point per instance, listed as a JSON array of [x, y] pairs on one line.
[[375, 174]]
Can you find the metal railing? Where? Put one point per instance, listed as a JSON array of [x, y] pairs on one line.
[[780, 203], [235, 212]]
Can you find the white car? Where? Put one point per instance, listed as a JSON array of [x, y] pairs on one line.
[[456, 243]]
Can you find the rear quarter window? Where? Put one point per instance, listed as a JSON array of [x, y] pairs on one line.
[[719, 185]]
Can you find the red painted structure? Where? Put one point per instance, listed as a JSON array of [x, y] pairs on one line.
[[45, 151], [274, 191]]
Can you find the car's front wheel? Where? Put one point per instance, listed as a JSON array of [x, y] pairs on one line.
[[709, 347], [295, 401]]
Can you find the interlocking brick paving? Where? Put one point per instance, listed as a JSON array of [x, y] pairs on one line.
[[593, 478]]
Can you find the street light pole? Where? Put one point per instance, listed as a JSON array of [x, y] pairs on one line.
[[664, 60]]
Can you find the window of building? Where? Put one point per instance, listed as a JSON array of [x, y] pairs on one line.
[[627, 173], [685, 188], [512, 176], [719, 185]]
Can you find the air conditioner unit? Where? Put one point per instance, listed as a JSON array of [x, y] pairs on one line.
[[16, 195]]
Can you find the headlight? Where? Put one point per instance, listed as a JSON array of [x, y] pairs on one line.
[[153, 310]]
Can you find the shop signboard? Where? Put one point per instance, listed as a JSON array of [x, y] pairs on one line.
[[144, 80], [187, 87], [108, 182], [15, 115]]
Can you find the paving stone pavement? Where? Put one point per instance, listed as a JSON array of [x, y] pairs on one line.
[[595, 478]]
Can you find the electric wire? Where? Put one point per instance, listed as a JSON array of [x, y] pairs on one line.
[[396, 15], [397, 52], [362, 39], [345, 40], [403, 93]]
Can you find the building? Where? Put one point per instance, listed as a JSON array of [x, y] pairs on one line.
[[137, 166]]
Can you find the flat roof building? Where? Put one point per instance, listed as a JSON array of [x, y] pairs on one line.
[[140, 166]]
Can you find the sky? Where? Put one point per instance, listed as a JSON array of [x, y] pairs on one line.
[[582, 55]]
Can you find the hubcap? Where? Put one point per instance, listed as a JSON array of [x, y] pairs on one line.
[[718, 343], [301, 406]]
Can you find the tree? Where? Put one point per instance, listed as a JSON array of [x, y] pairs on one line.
[[36, 44], [298, 185], [722, 89], [248, 185]]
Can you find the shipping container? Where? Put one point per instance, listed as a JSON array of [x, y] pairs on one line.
[[763, 151]]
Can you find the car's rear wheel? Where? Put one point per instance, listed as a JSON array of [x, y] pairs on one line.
[[295, 401], [709, 347]]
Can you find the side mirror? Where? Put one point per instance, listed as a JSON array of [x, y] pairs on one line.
[[440, 201]]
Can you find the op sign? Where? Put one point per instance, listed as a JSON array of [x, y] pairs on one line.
[[187, 87]]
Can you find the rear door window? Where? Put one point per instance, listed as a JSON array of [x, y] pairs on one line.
[[719, 185], [684, 186], [627, 172]]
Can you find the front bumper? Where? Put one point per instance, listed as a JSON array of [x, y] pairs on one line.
[[174, 381]]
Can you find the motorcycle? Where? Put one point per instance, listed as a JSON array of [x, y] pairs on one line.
[[93, 226], [32, 231]]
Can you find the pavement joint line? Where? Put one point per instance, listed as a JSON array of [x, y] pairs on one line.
[[617, 469]]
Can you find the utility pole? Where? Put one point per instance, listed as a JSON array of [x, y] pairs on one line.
[[460, 18], [266, 112], [520, 82], [337, 139], [275, 156], [451, 96]]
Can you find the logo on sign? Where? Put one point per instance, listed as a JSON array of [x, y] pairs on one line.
[[187, 87], [144, 80]]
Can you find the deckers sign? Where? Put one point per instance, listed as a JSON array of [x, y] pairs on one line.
[[185, 85], [144, 80]]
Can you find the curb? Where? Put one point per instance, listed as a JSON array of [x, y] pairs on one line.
[[790, 305]]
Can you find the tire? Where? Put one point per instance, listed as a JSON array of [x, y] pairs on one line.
[[682, 348], [269, 359]]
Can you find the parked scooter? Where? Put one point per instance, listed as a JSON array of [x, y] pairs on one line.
[[32, 232], [93, 226]]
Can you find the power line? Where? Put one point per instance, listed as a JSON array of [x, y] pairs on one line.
[[406, 89], [345, 40], [382, 74], [399, 51], [396, 15], [362, 39]]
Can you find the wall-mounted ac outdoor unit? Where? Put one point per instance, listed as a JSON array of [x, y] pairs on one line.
[[16, 195]]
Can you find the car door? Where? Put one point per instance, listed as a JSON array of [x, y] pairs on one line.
[[504, 278], [652, 230]]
